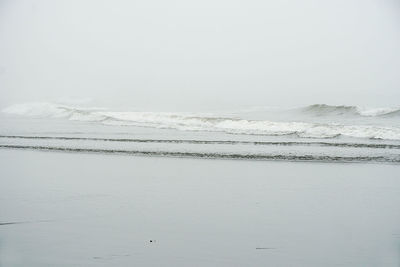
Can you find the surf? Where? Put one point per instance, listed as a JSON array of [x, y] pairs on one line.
[[209, 122]]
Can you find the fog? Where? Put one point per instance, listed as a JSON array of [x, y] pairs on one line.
[[189, 55], [145, 133]]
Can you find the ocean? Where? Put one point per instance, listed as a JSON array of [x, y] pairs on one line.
[[318, 132], [263, 186]]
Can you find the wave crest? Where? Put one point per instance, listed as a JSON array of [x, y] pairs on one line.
[[211, 123], [330, 110]]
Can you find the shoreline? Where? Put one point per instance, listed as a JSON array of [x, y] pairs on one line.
[[221, 156]]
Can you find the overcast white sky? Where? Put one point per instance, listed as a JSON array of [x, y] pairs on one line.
[[209, 54]]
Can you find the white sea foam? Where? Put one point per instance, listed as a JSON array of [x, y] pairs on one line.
[[329, 110], [48, 110], [37, 110], [202, 122]]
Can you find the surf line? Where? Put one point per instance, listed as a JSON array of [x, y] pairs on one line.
[[221, 142], [266, 157]]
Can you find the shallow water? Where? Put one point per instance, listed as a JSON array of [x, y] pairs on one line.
[[151, 139], [262, 187], [102, 210]]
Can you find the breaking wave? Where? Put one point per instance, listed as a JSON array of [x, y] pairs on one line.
[[213, 123], [328, 110]]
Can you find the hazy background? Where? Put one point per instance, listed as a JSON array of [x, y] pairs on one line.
[[207, 54]]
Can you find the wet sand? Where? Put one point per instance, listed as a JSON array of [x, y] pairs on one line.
[[66, 209]]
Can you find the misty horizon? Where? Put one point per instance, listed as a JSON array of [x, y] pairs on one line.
[[199, 133], [208, 55]]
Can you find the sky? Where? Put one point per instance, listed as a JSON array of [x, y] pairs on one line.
[[199, 55]]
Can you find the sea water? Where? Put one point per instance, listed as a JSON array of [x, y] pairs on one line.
[[317, 132]]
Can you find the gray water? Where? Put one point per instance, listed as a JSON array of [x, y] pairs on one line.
[[312, 133], [309, 186], [69, 209]]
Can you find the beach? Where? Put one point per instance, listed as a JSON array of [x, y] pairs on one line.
[[199, 133], [82, 209]]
